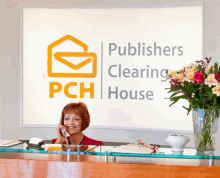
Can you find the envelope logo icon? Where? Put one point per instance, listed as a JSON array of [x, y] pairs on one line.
[[89, 59]]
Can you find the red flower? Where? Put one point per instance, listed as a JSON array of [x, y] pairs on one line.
[[173, 86], [198, 77], [216, 76]]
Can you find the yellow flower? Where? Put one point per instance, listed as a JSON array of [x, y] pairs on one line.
[[179, 77], [216, 90], [189, 76], [193, 66], [211, 80], [193, 70], [187, 70], [172, 73]]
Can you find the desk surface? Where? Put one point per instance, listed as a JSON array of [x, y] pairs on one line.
[[18, 164], [52, 165]]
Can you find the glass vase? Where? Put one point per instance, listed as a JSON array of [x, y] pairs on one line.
[[205, 125]]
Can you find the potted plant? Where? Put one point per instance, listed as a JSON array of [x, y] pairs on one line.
[[199, 84]]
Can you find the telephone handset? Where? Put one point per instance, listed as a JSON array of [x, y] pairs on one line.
[[65, 134]]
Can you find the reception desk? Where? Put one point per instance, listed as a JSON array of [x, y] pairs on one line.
[[19, 162]]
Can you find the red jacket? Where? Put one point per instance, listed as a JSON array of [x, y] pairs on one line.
[[86, 141]]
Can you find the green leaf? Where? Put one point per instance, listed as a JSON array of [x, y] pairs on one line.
[[216, 67], [178, 97], [172, 90], [199, 68], [214, 102], [217, 112], [186, 108], [183, 88], [190, 107], [210, 95], [174, 94], [172, 103]]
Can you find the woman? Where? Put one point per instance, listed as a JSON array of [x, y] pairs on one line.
[[74, 119]]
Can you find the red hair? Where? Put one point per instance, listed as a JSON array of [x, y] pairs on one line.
[[81, 110]]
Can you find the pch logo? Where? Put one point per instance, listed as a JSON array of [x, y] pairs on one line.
[[82, 64]]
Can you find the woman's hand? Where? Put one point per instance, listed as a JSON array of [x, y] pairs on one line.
[[60, 136]]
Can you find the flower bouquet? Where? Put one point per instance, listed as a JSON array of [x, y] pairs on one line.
[[199, 84]]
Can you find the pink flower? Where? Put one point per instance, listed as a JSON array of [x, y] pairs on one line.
[[216, 76], [198, 77]]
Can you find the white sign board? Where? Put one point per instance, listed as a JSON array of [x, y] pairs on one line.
[[114, 60]]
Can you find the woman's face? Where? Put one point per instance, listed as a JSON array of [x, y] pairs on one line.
[[73, 123]]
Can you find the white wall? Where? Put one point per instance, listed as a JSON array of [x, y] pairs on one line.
[[10, 67]]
